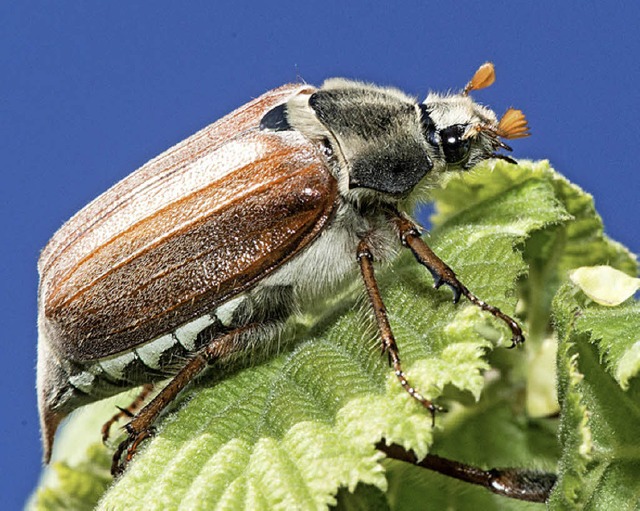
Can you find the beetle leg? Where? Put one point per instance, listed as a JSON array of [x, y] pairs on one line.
[[141, 425], [442, 274], [365, 259], [129, 411], [515, 483]]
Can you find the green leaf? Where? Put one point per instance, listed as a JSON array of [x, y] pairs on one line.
[[605, 285], [600, 403], [569, 240], [299, 430], [78, 486]]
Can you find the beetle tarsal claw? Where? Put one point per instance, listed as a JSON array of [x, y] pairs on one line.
[[128, 411], [127, 450], [517, 340], [451, 282], [457, 292]]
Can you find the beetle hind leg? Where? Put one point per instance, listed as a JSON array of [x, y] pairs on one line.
[[141, 425], [128, 411]]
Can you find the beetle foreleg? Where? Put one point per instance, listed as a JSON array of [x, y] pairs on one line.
[[365, 259], [442, 274]]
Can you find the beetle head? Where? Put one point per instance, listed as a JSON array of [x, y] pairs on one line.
[[463, 132]]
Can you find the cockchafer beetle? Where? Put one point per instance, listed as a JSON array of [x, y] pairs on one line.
[[206, 250]]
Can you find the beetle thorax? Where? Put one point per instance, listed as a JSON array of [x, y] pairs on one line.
[[374, 136]]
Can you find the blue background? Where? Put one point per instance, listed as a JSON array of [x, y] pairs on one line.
[[90, 91]]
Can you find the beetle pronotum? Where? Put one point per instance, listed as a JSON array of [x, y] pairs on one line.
[[207, 249]]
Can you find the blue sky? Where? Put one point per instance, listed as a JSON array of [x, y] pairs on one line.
[[90, 91]]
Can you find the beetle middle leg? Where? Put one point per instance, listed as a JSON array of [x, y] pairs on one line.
[[365, 259]]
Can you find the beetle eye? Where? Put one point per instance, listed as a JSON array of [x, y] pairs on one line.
[[455, 148]]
